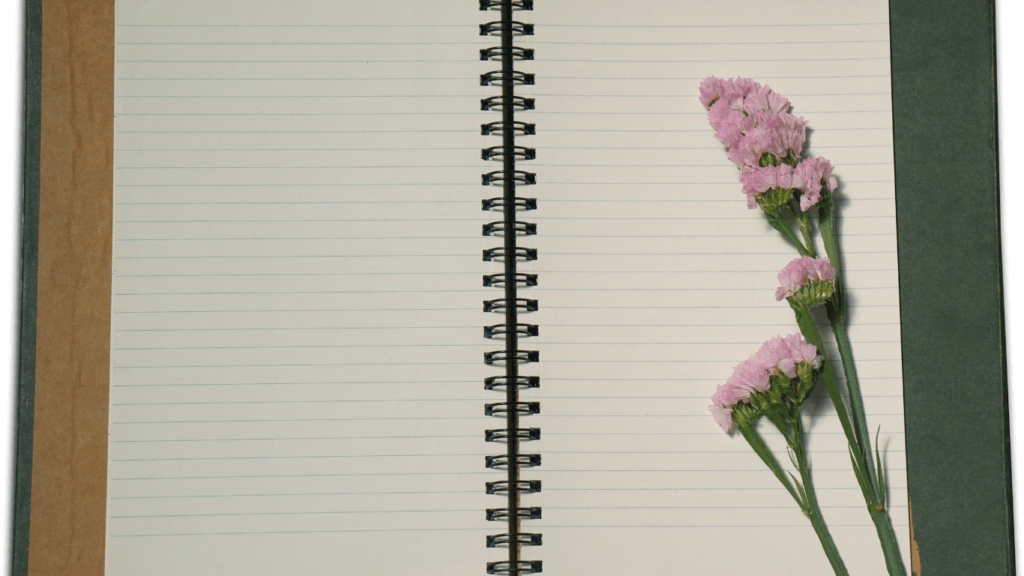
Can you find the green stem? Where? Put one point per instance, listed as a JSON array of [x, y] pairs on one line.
[[829, 239], [809, 329], [813, 510], [782, 225], [804, 221], [876, 507], [837, 316], [887, 537], [860, 422], [761, 449]]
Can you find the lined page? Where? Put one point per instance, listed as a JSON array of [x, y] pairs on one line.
[[297, 374], [296, 355], [655, 281]]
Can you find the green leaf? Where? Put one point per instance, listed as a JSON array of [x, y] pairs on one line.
[[881, 471], [792, 457], [862, 479], [803, 492]]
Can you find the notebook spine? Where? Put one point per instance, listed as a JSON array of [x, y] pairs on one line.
[[509, 254]]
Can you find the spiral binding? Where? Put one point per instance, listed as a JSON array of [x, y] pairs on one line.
[[512, 409]]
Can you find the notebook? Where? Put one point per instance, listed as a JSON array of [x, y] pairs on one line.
[[312, 305]]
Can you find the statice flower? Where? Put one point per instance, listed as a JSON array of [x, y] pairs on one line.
[[790, 356], [808, 281], [810, 175], [742, 94], [736, 107], [758, 181], [729, 122], [711, 89], [778, 134], [793, 351], [722, 416], [766, 100]]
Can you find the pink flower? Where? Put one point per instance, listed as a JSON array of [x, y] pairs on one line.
[[801, 351], [777, 133], [796, 350], [780, 354], [809, 176], [801, 272], [723, 416], [751, 119], [783, 353], [749, 376], [759, 180], [711, 89], [728, 395], [765, 100], [744, 86], [729, 123]]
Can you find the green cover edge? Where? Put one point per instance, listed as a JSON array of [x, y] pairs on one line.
[[29, 285], [954, 353]]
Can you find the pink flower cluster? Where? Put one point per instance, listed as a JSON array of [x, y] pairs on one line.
[[801, 272], [780, 354], [751, 120], [810, 176]]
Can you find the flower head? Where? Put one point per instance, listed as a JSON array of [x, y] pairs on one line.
[[737, 107], [809, 281], [758, 181], [785, 355], [746, 95], [779, 134]]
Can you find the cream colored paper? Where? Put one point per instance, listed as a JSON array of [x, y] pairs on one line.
[[297, 338]]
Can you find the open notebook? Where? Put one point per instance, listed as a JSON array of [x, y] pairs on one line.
[[297, 374]]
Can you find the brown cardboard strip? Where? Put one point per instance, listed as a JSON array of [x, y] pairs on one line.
[[69, 453]]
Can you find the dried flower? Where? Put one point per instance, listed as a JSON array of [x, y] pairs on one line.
[[790, 356], [809, 176], [758, 181], [809, 281]]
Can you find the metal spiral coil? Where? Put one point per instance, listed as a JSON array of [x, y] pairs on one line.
[[511, 358], [515, 568], [502, 104], [515, 4], [498, 52], [499, 128], [506, 539], [518, 228], [498, 204], [500, 383], [499, 254]]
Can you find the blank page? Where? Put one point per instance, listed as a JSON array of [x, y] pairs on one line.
[[655, 280], [297, 374]]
